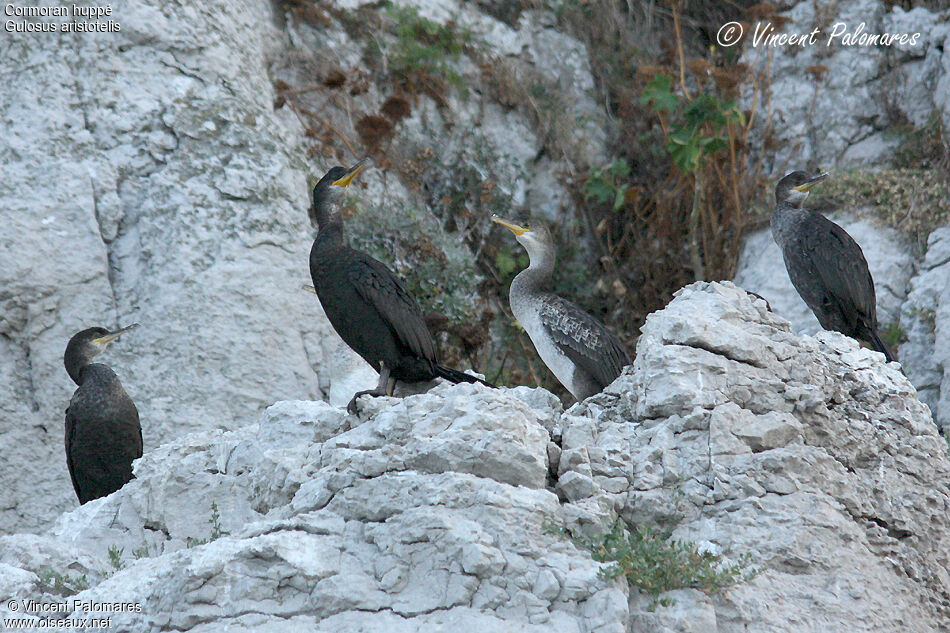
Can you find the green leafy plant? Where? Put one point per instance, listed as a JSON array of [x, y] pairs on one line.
[[216, 529], [62, 584], [424, 47], [607, 184], [142, 551], [655, 563], [696, 128], [115, 556]]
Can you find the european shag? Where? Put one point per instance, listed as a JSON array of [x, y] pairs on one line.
[[367, 305], [825, 264], [103, 434], [578, 349]]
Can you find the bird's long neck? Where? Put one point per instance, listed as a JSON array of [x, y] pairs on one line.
[[329, 237], [538, 273], [785, 217], [75, 360], [328, 219]]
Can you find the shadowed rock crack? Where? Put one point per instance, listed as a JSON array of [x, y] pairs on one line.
[[718, 352]]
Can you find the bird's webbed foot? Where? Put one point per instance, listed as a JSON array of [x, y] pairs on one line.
[[352, 406], [383, 388]]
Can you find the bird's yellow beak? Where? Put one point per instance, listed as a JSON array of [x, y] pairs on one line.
[[351, 174], [310, 288], [805, 186], [111, 336], [511, 226]]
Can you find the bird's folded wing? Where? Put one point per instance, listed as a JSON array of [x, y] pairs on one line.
[[839, 262], [379, 287], [584, 339], [70, 436]]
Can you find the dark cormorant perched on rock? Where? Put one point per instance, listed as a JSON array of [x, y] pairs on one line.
[[368, 306], [103, 434], [825, 264], [578, 349]]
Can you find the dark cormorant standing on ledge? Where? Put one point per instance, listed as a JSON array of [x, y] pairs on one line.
[[578, 349], [825, 264], [103, 434], [368, 306]]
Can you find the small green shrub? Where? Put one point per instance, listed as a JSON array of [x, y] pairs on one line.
[[608, 184], [62, 584], [437, 270], [893, 335], [650, 560], [426, 48], [115, 556], [141, 551], [216, 530]]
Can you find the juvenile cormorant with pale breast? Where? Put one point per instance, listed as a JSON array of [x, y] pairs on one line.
[[578, 349], [368, 305], [825, 264], [103, 434]]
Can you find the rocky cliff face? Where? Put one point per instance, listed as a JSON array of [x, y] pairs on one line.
[[151, 175], [435, 512], [149, 179], [848, 106], [158, 175], [849, 103]]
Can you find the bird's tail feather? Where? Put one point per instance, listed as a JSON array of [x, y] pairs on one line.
[[456, 376], [879, 345]]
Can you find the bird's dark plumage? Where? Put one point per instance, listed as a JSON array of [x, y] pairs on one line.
[[825, 264], [579, 350], [103, 434], [367, 305]]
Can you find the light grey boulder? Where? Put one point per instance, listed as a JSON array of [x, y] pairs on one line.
[[810, 454], [439, 511], [428, 511]]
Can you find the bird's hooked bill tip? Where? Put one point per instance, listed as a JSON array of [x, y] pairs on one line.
[[116, 334], [805, 186], [511, 226], [309, 288], [351, 173]]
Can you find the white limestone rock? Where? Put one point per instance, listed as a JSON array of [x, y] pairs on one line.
[[434, 512], [871, 87], [150, 178], [925, 318], [811, 455]]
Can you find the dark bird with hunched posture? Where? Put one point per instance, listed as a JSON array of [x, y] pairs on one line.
[[368, 305], [103, 434], [578, 349], [825, 264]]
